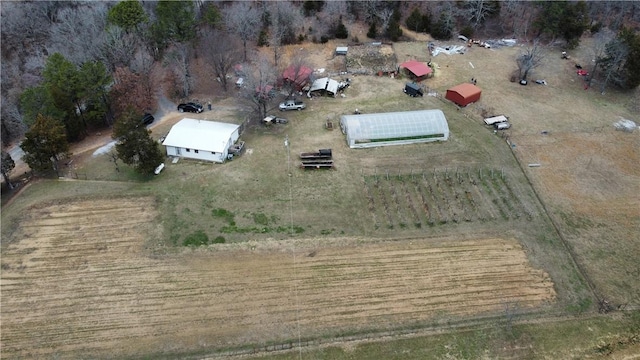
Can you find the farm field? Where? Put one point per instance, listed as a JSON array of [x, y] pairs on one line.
[[91, 287], [388, 240]]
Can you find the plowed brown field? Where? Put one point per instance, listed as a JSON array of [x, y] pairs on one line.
[[79, 282]]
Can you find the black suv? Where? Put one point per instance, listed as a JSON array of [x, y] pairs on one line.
[[190, 107], [147, 119]]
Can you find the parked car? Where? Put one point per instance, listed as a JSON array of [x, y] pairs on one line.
[[292, 105], [190, 107], [147, 119]]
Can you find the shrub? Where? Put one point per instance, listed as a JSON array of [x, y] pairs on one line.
[[198, 238], [219, 240], [324, 39]]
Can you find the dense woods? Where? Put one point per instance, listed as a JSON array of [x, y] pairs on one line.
[[83, 63]]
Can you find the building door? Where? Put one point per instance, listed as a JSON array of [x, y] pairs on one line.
[[178, 151]]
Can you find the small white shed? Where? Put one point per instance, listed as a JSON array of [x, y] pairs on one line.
[[342, 50], [201, 139]]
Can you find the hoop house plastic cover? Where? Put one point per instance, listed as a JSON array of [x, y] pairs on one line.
[[394, 128]]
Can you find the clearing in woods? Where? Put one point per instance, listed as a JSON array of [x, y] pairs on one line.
[[90, 286]]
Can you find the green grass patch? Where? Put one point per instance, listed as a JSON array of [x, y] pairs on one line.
[[224, 214], [197, 238]]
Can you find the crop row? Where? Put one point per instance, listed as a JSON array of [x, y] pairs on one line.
[[442, 197]]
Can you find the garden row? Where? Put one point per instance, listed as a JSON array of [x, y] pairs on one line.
[[444, 196]]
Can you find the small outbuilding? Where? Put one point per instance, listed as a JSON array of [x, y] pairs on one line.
[[201, 139], [342, 50], [298, 76], [418, 69], [464, 94], [324, 86], [394, 128]]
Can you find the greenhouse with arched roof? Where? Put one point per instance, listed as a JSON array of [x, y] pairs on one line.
[[394, 128]]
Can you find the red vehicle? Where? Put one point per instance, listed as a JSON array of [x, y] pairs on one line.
[[582, 72]]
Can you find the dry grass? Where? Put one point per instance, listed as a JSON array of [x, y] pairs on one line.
[[91, 287]]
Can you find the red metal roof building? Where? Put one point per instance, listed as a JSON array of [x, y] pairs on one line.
[[464, 94], [417, 68], [297, 75]]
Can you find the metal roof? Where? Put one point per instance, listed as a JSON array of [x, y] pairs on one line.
[[327, 84], [417, 68], [406, 126], [200, 135]]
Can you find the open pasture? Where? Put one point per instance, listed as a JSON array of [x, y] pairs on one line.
[[81, 282]]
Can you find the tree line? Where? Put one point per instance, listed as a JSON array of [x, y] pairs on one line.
[[88, 65]]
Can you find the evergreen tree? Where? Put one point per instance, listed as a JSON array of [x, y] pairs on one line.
[[44, 144], [263, 38], [176, 20], [414, 21], [565, 19], [127, 14], [443, 29], [394, 32], [135, 146], [426, 22], [211, 15], [341, 31], [373, 31]]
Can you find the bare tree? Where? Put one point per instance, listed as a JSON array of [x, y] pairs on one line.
[[243, 19], [299, 71], [180, 58], [258, 92], [616, 54], [285, 19], [529, 59], [222, 53], [599, 51], [516, 16], [21, 23], [479, 10], [78, 34], [118, 47], [331, 13]]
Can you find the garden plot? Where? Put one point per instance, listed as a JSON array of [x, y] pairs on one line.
[[441, 197], [79, 283]]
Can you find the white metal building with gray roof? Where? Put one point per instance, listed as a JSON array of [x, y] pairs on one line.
[[394, 128], [201, 139]]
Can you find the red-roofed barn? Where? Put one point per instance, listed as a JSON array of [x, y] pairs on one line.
[[416, 68], [297, 75], [464, 94]]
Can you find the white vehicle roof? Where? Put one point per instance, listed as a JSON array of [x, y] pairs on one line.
[[495, 119]]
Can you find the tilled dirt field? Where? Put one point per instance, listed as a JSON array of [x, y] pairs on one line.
[[80, 282]]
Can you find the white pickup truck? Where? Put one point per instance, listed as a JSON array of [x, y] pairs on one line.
[[292, 105]]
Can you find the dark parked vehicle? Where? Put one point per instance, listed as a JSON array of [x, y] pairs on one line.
[[190, 107], [412, 90], [147, 119]]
